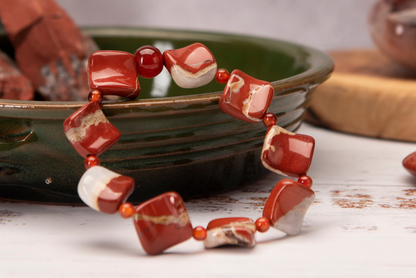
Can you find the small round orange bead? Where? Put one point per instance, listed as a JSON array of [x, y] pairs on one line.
[[91, 161], [96, 96], [199, 233], [269, 119], [126, 210], [305, 180], [262, 224], [222, 75]]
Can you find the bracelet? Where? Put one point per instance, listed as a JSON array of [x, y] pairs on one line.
[[163, 221]]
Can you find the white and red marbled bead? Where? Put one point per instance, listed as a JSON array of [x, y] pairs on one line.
[[246, 98], [192, 66], [89, 131], [287, 153], [287, 205], [104, 190], [231, 231]]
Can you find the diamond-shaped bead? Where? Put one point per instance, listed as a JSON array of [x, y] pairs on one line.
[[246, 98], [162, 222], [89, 131]]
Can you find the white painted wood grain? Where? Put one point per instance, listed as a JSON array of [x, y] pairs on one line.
[[363, 224]]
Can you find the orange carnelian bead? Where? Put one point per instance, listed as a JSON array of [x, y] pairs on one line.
[[96, 96], [269, 119], [91, 161], [199, 233], [262, 224], [305, 180], [126, 210], [222, 75]]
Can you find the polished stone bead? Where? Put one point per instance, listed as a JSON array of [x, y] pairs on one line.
[[104, 190], [409, 163], [89, 131], [262, 224], [113, 73], [269, 119], [287, 205], [126, 210], [149, 61], [246, 98], [222, 75], [199, 233], [287, 153], [162, 222], [91, 161], [230, 231], [305, 180], [192, 66], [96, 96]]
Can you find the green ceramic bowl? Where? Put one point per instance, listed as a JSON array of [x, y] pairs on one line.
[[181, 142]]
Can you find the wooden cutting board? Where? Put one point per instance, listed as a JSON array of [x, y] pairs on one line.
[[368, 94]]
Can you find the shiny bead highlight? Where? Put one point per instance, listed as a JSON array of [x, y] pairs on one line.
[[149, 61], [269, 119], [199, 233], [96, 96], [222, 75], [126, 210], [305, 180], [91, 161], [262, 224]]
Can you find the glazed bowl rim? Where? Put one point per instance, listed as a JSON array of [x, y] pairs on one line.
[[320, 68]]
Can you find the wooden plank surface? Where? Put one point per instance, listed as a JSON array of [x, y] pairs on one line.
[[362, 224], [368, 94]]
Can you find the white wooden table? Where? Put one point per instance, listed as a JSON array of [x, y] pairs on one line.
[[363, 224]]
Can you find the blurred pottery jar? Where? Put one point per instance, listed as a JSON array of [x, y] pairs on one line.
[[393, 28]]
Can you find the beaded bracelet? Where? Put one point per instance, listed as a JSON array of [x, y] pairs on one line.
[[163, 221]]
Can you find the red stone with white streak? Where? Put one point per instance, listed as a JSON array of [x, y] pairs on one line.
[[246, 98], [162, 222], [192, 66], [287, 153], [113, 73], [89, 131], [104, 190], [115, 193], [287, 205], [230, 231], [409, 163]]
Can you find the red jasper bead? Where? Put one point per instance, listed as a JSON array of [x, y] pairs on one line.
[[222, 75], [269, 119], [149, 61], [262, 224], [409, 163], [126, 210], [199, 233], [91, 161], [305, 180], [96, 96]]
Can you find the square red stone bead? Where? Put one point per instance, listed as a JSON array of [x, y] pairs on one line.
[[113, 73], [191, 66], [287, 153], [162, 222], [89, 131], [287, 205], [246, 98], [231, 231]]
